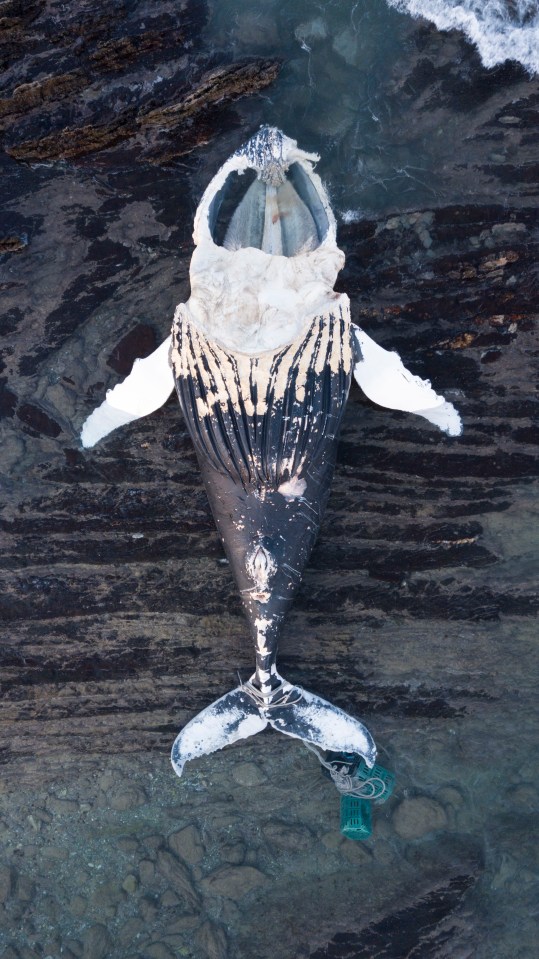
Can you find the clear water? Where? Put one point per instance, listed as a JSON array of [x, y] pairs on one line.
[[90, 859]]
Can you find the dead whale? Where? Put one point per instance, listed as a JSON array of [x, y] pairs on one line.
[[262, 356]]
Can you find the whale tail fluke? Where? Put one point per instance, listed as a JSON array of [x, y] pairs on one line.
[[290, 710], [232, 717], [314, 720]]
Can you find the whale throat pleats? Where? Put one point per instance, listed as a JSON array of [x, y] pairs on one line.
[[262, 419]]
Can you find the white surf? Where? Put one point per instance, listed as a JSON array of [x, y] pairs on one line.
[[501, 30]]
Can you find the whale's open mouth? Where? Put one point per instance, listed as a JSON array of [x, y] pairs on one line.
[[281, 214]]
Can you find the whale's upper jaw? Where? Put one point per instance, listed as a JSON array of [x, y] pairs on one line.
[[267, 152]]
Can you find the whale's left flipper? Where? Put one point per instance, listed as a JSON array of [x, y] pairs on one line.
[[232, 717], [147, 387], [383, 377], [309, 717]]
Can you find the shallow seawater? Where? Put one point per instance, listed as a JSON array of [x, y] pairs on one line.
[[345, 91], [332, 94], [110, 856]]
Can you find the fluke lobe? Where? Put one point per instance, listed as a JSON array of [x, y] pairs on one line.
[[262, 357]]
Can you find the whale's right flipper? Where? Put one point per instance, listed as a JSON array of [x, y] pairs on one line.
[[232, 717], [147, 388]]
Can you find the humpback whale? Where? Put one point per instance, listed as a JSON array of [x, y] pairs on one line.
[[262, 356]]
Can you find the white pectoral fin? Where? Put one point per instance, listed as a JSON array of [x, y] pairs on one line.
[[145, 390], [383, 377]]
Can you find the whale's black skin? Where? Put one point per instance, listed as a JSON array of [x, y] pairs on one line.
[[279, 432]]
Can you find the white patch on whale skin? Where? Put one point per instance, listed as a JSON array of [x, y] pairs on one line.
[[251, 302], [325, 725], [262, 625], [260, 566], [294, 488], [212, 729]]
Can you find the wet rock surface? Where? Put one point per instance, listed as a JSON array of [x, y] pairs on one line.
[[417, 609]]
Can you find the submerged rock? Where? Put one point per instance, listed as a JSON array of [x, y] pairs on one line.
[[233, 882], [248, 774], [211, 940], [417, 816], [97, 942], [187, 844]]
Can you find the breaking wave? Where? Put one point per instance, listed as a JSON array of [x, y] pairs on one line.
[[500, 29]]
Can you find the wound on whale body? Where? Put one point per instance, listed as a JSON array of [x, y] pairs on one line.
[[262, 356]]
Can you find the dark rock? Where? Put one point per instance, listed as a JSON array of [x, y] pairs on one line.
[[12, 244], [72, 947], [417, 816], [39, 420], [233, 882], [25, 888], [187, 844], [148, 908], [97, 942], [286, 836], [8, 400], [62, 807], [109, 127], [158, 950], [418, 928], [248, 774], [233, 853], [128, 797], [139, 342], [211, 940], [57, 853], [128, 845], [6, 882], [130, 929], [107, 896], [130, 884], [77, 906], [178, 876], [146, 872]]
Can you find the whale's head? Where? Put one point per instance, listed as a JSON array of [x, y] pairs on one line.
[[266, 256]]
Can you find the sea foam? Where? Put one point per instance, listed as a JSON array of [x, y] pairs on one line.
[[500, 29]]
